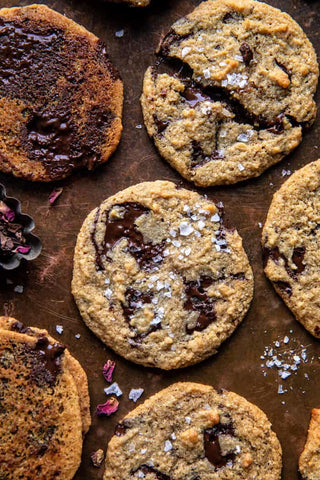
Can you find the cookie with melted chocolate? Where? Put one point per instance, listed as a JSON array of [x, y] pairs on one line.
[[291, 245], [74, 367], [190, 431], [231, 92], [60, 96], [309, 461], [40, 416], [158, 277]]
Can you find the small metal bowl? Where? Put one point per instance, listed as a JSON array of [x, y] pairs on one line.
[[27, 223]]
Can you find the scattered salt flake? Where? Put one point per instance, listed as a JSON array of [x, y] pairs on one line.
[[215, 218], [243, 137], [18, 289], [277, 344], [119, 33], [285, 172], [107, 370], [239, 58], [97, 458], [206, 73], [143, 451], [176, 243], [185, 229], [114, 389], [108, 408], [59, 329], [188, 420], [54, 195], [201, 224], [241, 167], [139, 126], [167, 446], [173, 233], [260, 225], [77, 335], [280, 390], [135, 394], [185, 51], [284, 375], [108, 293], [173, 436], [187, 251]]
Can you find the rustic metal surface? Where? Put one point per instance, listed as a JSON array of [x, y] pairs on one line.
[[46, 300]]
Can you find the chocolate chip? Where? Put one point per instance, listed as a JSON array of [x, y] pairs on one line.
[[147, 469], [277, 126], [246, 52], [199, 301], [172, 38], [297, 258], [160, 124], [285, 287], [199, 158], [147, 255], [212, 447], [317, 330], [47, 361], [121, 428], [194, 96]]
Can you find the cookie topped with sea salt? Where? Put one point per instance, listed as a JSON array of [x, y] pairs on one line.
[[190, 431], [158, 277], [234, 92]]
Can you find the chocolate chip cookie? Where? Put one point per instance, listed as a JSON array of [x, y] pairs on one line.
[[71, 364], [192, 432], [291, 242], [309, 462], [41, 419], [232, 91], [158, 277], [60, 96]]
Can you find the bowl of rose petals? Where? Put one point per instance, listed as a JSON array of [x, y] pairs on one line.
[[16, 240]]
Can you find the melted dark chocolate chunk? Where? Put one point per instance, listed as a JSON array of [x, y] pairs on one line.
[[160, 124], [172, 38], [285, 287], [199, 158], [48, 361], [147, 255], [246, 52], [145, 469], [121, 429], [297, 258], [194, 96], [212, 447], [317, 330], [135, 299], [277, 127], [199, 301]]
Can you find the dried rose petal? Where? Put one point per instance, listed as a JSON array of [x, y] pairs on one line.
[[111, 406], [25, 249], [108, 370], [55, 194], [97, 458], [6, 212]]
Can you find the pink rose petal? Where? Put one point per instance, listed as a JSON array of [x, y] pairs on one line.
[[111, 406], [6, 212], [108, 370], [55, 194], [24, 249]]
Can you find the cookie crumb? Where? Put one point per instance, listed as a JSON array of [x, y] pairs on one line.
[[97, 458]]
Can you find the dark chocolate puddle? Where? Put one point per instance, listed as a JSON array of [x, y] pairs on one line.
[[212, 447]]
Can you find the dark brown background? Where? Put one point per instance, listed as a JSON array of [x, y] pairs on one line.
[[46, 300]]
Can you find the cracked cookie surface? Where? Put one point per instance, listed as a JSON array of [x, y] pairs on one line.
[[309, 462], [60, 96], [158, 277], [291, 240], [41, 419], [190, 431], [242, 93]]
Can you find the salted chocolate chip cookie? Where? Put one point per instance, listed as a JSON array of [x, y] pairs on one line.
[[309, 462], [60, 96], [291, 243], [158, 277], [232, 91], [71, 364], [190, 431], [41, 423]]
